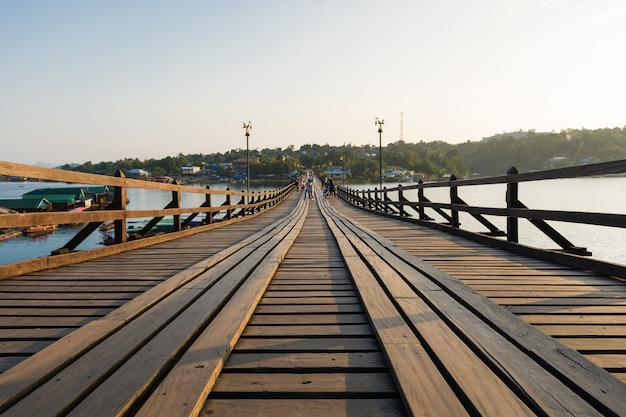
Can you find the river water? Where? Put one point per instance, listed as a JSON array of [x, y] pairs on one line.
[[600, 195]]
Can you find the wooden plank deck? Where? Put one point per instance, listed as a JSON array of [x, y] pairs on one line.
[[313, 315], [39, 308], [309, 348], [580, 309]]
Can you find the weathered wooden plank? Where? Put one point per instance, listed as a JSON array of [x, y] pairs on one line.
[[351, 407], [308, 308], [609, 360], [306, 360], [310, 294], [520, 292], [565, 302], [582, 330], [315, 384], [563, 290], [314, 286], [596, 319], [17, 303], [25, 322], [595, 344], [51, 333], [309, 343], [308, 319], [309, 300], [54, 312], [9, 362], [309, 329], [27, 347]]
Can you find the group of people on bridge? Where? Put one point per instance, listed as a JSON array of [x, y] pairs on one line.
[[308, 186]]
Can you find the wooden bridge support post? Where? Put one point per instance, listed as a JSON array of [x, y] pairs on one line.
[[512, 226], [454, 196], [119, 196]]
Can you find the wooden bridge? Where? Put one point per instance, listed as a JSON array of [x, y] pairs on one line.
[[308, 307]]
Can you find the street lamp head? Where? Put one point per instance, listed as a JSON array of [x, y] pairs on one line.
[[248, 127], [380, 123]]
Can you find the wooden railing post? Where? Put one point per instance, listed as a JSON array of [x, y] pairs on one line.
[[374, 204], [512, 197], [454, 195], [208, 201], [120, 197], [176, 204], [248, 201], [384, 198], [401, 200], [421, 198], [229, 211]]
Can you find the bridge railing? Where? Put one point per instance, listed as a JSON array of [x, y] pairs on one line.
[[236, 204], [383, 202]]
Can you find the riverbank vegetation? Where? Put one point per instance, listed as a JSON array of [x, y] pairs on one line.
[[526, 150]]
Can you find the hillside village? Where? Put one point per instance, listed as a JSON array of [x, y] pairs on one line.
[[401, 161]]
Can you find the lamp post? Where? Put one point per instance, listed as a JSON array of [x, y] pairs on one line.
[[282, 182], [248, 127], [343, 170], [380, 124]]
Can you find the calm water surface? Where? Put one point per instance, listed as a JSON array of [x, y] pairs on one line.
[[602, 195]]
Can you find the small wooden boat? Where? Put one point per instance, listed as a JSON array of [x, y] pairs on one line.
[[9, 233], [42, 228]]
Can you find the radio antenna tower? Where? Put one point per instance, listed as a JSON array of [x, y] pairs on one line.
[[401, 127]]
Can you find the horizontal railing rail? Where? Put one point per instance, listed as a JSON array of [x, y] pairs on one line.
[[379, 201], [237, 204]]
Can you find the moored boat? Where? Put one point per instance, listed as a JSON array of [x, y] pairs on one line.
[[41, 228]]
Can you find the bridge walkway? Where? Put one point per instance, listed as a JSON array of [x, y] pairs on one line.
[[308, 349], [306, 313]]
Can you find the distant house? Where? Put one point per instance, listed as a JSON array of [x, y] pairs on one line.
[[59, 201], [190, 170], [67, 198], [240, 165], [138, 173], [27, 204], [336, 172]]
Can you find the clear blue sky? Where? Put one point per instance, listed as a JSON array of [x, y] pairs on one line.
[[103, 80]]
